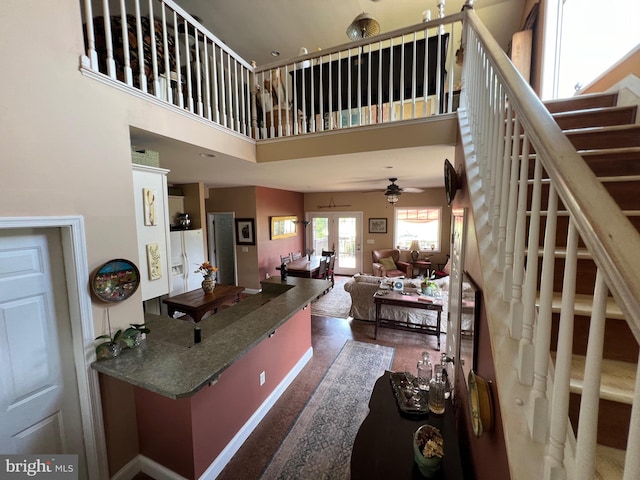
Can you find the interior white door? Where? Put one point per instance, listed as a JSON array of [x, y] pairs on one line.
[[458, 229], [39, 403], [339, 231]]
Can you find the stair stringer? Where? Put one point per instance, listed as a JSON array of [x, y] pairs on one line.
[[526, 457]]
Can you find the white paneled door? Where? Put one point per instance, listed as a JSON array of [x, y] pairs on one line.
[[39, 404], [339, 231]]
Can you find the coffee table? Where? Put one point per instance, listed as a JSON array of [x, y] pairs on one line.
[[196, 302], [407, 300]]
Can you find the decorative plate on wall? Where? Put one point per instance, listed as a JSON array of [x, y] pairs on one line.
[[116, 280], [480, 404]]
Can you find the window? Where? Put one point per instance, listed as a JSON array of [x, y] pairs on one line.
[[416, 223]]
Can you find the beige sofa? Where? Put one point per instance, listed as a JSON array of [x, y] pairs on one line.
[[362, 287]]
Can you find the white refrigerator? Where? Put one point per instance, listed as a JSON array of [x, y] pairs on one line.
[[187, 254]]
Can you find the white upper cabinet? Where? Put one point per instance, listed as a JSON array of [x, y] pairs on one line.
[[152, 225]]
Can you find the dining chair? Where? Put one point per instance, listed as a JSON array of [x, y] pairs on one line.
[[328, 253], [285, 258], [322, 271], [296, 256], [330, 268]]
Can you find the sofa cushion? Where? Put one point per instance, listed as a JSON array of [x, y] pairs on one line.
[[388, 263]]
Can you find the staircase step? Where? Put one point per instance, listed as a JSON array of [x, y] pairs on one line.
[[596, 117], [583, 305], [609, 463], [604, 161], [613, 161], [617, 380], [604, 137], [580, 102]]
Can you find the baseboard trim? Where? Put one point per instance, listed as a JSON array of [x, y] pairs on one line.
[[143, 464]]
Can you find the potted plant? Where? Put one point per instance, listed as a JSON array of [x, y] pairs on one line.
[[129, 338], [428, 283], [111, 347], [132, 336], [428, 449]]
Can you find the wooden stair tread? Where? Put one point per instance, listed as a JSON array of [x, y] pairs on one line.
[[583, 305], [580, 102], [596, 117], [617, 381], [609, 463], [559, 252]]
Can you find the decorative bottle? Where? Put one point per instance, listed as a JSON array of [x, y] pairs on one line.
[[437, 389], [426, 362], [283, 272]]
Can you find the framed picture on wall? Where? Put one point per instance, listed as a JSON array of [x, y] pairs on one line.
[[245, 231], [377, 225]]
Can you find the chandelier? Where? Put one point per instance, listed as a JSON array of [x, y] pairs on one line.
[[363, 26]]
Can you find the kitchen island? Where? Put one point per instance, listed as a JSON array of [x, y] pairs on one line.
[[196, 403]]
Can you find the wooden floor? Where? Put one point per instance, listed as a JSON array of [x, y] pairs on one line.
[[328, 337]]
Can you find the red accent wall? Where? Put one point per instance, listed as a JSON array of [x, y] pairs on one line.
[[271, 202], [487, 455], [187, 435]]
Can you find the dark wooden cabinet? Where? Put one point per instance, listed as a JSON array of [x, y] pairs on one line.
[[383, 447]]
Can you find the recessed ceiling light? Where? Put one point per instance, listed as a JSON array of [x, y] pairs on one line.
[[275, 53], [207, 155]]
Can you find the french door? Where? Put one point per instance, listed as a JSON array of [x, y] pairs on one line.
[[339, 231]]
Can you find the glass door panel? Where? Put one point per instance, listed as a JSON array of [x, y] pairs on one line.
[[339, 231]]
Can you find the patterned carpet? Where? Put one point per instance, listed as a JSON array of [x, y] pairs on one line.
[[336, 303], [319, 444]]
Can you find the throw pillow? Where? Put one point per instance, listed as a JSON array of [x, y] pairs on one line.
[[388, 263], [447, 267]]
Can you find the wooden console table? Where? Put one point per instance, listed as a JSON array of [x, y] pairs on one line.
[[383, 447], [196, 303], [411, 300]]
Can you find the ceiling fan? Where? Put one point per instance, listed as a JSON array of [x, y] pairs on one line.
[[394, 188]]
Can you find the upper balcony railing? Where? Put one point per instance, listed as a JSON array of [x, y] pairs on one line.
[[401, 75]]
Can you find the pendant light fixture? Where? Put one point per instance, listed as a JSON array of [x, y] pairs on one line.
[[393, 192], [363, 26]]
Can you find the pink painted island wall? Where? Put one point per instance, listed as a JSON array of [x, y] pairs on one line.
[[188, 434]]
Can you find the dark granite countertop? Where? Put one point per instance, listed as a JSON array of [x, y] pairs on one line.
[[169, 363]]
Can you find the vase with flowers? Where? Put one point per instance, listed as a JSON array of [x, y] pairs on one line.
[[208, 282]]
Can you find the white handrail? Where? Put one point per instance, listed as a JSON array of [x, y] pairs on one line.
[[494, 91]]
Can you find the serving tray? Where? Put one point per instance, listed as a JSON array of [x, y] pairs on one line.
[[411, 400]]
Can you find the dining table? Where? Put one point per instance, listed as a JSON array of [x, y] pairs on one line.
[[305, 267]]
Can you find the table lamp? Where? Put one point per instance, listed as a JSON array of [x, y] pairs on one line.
[[415, 250]]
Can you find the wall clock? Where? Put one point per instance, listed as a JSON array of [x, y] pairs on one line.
[[451, 183], [480, 404]]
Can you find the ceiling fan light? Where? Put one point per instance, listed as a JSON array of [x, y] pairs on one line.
[[392, 197], [393, 192], [363, 26]]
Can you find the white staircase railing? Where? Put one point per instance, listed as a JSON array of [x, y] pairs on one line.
[[502, 122], [154, 47], [173, 58]]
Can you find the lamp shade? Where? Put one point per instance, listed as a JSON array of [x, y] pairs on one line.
[[415, 246], [363, 26]]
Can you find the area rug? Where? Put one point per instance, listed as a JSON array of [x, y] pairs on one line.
[[335, 303], [319, 443]]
